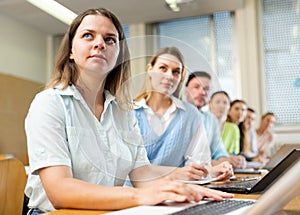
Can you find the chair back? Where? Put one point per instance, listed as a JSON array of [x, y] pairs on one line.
[[12, 184], [6, 156]]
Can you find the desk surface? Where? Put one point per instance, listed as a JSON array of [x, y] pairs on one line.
[[92, 212], [293, 205]]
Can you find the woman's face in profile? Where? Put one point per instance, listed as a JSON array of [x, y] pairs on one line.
[[95, 46]]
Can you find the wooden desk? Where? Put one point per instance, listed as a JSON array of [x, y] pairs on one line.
[[76, 212], [293, 205]]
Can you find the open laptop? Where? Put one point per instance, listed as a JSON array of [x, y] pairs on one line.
[[265, 204], [259, 185], [281, 153], [256, 167]]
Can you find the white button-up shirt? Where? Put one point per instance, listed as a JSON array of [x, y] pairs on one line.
[[62, 130]]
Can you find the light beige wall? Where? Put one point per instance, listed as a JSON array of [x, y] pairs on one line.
[[248, 53], [23, 51], [23, 72]]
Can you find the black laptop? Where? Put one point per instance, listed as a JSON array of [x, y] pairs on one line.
[[259, 185]]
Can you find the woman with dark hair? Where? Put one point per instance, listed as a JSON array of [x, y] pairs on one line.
[[243, 116]]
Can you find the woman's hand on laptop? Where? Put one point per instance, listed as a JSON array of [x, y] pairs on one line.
[[174, 190]]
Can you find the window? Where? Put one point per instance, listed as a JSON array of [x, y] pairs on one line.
[[206, 43], [281, 38], [126, 31]]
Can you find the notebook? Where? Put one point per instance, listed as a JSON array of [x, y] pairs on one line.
[[259, 185]]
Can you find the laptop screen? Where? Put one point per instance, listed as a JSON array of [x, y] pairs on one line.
[[278, 170]]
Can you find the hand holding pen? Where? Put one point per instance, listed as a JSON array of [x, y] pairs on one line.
[[221, 171], [190, 172], [196, 164]]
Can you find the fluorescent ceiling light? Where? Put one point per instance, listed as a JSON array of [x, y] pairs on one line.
[[55, 9], [174, 5]]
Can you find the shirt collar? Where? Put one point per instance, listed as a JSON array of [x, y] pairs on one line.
[[177, 102], [109, 97], [68, 91], [72, 91]]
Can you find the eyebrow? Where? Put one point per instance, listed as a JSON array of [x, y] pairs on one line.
[[166, 64], [93, 31], [112, 34]]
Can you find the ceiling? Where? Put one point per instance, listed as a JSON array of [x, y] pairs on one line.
[[128, 11]]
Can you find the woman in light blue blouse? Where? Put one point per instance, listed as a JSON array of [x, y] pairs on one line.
[[172, 129]]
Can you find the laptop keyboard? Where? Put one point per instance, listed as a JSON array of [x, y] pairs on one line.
[[239, 184], [234, 186], [214, 207]]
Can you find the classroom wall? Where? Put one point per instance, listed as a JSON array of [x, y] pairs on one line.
[[23, 72], [23, 50]]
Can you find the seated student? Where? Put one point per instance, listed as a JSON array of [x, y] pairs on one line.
[[196, 93], [248, 142], [265, 136], [237, 114], [219, 105], [237, 111], [172, 129], [82, 143]]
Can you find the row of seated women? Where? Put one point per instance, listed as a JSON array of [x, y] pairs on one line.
[[237, 127], [176, 134]]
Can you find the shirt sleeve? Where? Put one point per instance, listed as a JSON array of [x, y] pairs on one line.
[[231, 138], [198, 150], [46, 133], [216, 146], [141, 155]]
